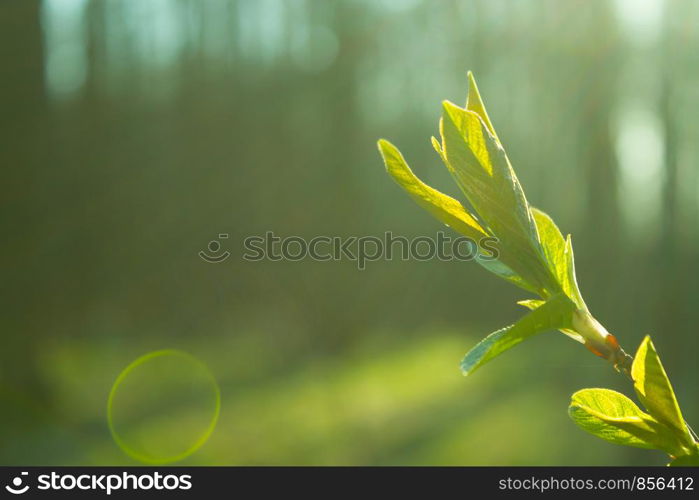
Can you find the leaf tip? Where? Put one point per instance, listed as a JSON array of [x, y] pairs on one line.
[[446, 105], [387, 150], [471, 82], [383, 144], [471, 361]]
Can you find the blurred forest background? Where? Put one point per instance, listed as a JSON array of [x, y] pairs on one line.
[[134, 132]]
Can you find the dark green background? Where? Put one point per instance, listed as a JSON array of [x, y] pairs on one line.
[[133, 132]]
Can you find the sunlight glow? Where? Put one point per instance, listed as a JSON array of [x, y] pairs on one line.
[[640, 152], [63, 23], [640, 20]]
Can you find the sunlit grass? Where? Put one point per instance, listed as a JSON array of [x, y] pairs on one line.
[[393, 401]]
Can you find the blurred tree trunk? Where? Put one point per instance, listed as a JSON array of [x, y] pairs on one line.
[[673, 263], [23, 124], [666, 255], [598, 161]]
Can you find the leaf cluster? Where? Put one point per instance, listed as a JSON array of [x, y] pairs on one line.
[[613, 417], [533, 255], [531, 251]]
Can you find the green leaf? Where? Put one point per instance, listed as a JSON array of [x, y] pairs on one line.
[[554, 314], [475, 103], [532, 304], [655, 391], [559, 255], [497, 267], [483, 172], [572, 279], [444, 208], [615, 418], [481, 169]]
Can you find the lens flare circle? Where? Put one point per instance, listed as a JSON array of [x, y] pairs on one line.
[[141, 362]]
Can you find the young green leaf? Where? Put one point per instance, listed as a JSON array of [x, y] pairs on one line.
[[572, 280], [475, 103], [559, 255], [615, 418], [480, 167], [499, 268], [554, 314], [532, 304], [655, 391], [532, 252], [444, 208]]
